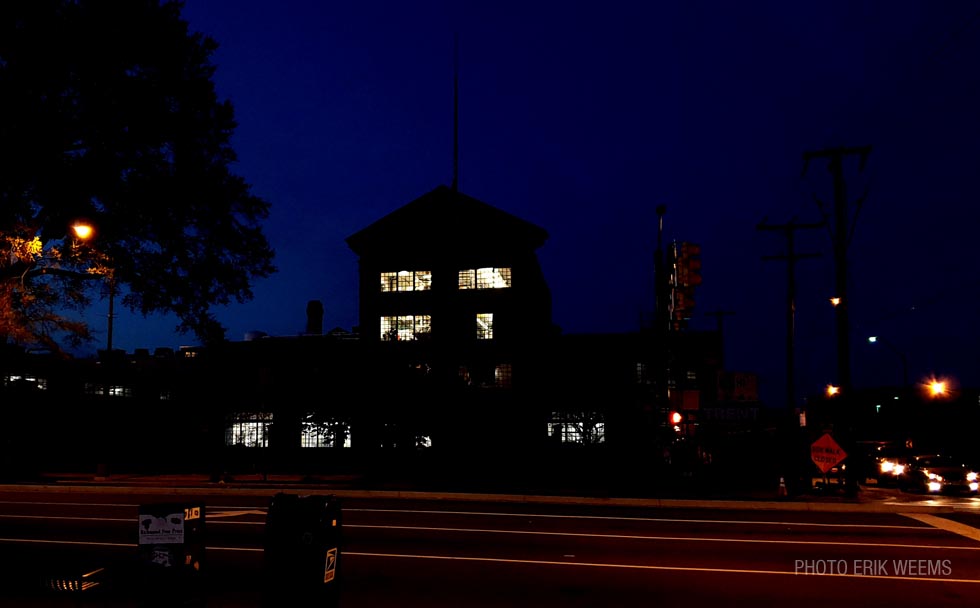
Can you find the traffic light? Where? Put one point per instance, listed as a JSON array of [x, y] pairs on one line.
[[676, 418]]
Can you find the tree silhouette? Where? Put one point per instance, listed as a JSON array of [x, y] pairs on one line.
[[108, 113]]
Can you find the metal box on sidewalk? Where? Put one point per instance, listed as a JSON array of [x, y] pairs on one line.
[[171, 552], [302, 550]]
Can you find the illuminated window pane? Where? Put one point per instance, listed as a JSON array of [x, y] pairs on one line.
[[583, 428], [405, 327], [248, 429], [502, 375], [642, 374], [39, 383], [467, 279], [492, 278], [389, 281], [484, 326], [405, 281], [330, 433], [120, 391]]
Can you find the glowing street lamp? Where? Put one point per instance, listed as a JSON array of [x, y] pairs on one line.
[[937, 388], [85, 231], [832, 391], [835, 302]]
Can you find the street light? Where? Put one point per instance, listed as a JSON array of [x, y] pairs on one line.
[[85, 232]]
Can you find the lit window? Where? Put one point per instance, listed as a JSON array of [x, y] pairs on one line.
[[164, 395], [642, 374], [484, 278], [502, 375], [492, 278], [405, 327], [484, 326], [120, 391], [39, 383], [248, 429], [325, 433], [406, 280], [692, 375], [92, 388], [583, 428]]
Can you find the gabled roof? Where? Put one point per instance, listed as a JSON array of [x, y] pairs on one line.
[[444, 217]]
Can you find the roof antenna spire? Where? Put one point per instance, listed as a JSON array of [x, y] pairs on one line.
[[456, 113]]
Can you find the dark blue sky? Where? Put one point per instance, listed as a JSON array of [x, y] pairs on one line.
[[582, 117]]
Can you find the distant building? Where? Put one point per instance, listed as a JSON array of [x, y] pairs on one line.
[[455, 353]]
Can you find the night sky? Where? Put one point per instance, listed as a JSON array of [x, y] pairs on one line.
[[582, 117]]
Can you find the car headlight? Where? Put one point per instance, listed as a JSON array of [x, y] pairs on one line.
[[971, 476], [935, 486], [886, 466], [898, 469]]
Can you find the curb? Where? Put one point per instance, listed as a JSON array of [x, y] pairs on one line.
[[217, 489]]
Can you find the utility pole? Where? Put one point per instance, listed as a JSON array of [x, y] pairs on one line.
[[791, 257], [661, 331], [841, 237]]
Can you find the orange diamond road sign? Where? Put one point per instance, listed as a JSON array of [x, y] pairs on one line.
[[826, 454]]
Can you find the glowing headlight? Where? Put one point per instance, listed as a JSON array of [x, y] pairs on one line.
[[899, 469], [933, 476], [935, 486], [886, 466], [974, 486], [971, 476]]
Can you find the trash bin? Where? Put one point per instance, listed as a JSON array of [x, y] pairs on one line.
[[302, 550], [171, 553]]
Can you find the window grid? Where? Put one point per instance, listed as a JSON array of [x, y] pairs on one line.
[[485, 278], [405, 327], [40, 383], [484, 326], [328, 434], [502, 375], [406, 280], [581, 428], [248, 429]]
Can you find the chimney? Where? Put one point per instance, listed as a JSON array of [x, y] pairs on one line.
[[314, 317]]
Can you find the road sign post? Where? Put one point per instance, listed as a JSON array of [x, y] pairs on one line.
[[826, 453]]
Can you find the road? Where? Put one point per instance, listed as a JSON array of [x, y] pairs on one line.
[[437, 553]]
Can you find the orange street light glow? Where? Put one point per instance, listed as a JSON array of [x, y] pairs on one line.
[[937, 388], [83, 231], [835, 301], [832, 390]]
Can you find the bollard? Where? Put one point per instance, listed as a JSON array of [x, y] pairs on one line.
[[302, 551]]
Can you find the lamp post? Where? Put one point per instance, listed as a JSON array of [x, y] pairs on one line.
[[85, 232]]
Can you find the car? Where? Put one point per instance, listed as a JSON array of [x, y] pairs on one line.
[[939, 473], [890, 464]]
